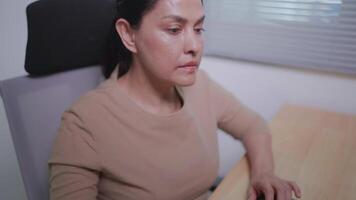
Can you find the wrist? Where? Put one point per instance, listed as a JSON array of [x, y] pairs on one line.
[[262, 165], [262, 170]]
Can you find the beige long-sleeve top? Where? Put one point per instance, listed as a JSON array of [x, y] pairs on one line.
[[109, 148]]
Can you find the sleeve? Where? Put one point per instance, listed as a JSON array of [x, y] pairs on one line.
[[74, 166], [233, 117]]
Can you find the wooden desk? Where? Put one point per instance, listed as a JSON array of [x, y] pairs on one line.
[[314, 148]]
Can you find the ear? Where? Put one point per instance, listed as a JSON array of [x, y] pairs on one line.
[[126, 33]]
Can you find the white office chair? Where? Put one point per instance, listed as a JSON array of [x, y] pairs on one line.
[[62, 35], [33, 107]]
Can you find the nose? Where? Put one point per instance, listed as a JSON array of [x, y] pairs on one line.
[[192, 42]]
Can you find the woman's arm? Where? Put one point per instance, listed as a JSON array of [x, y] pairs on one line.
[[257, 141], [74, 167], [244, 124], [71, 182]]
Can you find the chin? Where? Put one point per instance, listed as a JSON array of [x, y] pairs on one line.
[[186, 81]]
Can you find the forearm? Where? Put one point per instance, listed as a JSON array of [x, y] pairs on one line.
[[257, 142]]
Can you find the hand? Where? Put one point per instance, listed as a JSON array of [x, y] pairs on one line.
[[272, 186]]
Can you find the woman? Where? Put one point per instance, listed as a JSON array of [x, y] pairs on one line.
[[149, 131]]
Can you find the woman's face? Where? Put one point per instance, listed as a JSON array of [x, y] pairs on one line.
[[170, 36]]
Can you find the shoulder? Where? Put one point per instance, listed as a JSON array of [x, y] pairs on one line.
[[94, 102]]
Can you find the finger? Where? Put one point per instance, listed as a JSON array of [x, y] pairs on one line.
[[252, 194], [296, 189], [281, 191], [288, 191], [268, 191]]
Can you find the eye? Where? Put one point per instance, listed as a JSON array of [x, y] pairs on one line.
[[174, 30], [199, 30]]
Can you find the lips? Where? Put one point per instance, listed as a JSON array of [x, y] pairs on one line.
[[190, 64], [189, 67]]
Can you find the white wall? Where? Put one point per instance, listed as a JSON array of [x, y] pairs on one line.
[[263, 88]]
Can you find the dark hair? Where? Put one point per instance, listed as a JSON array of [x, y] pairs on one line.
[[132, 11]]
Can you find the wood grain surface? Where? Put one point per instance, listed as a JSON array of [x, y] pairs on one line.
[[313, 147]]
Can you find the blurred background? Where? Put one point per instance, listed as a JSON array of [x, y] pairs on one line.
[[267, 52]]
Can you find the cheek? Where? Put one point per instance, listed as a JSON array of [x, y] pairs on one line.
[[163, 48]]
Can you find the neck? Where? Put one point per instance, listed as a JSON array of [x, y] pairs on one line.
[[148, 92]]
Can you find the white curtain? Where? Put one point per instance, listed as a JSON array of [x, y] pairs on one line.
[[301, 33]]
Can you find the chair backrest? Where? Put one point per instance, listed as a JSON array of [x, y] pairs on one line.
[[33, 107]]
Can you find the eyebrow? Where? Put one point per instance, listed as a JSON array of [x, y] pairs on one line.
[[183, 20]]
